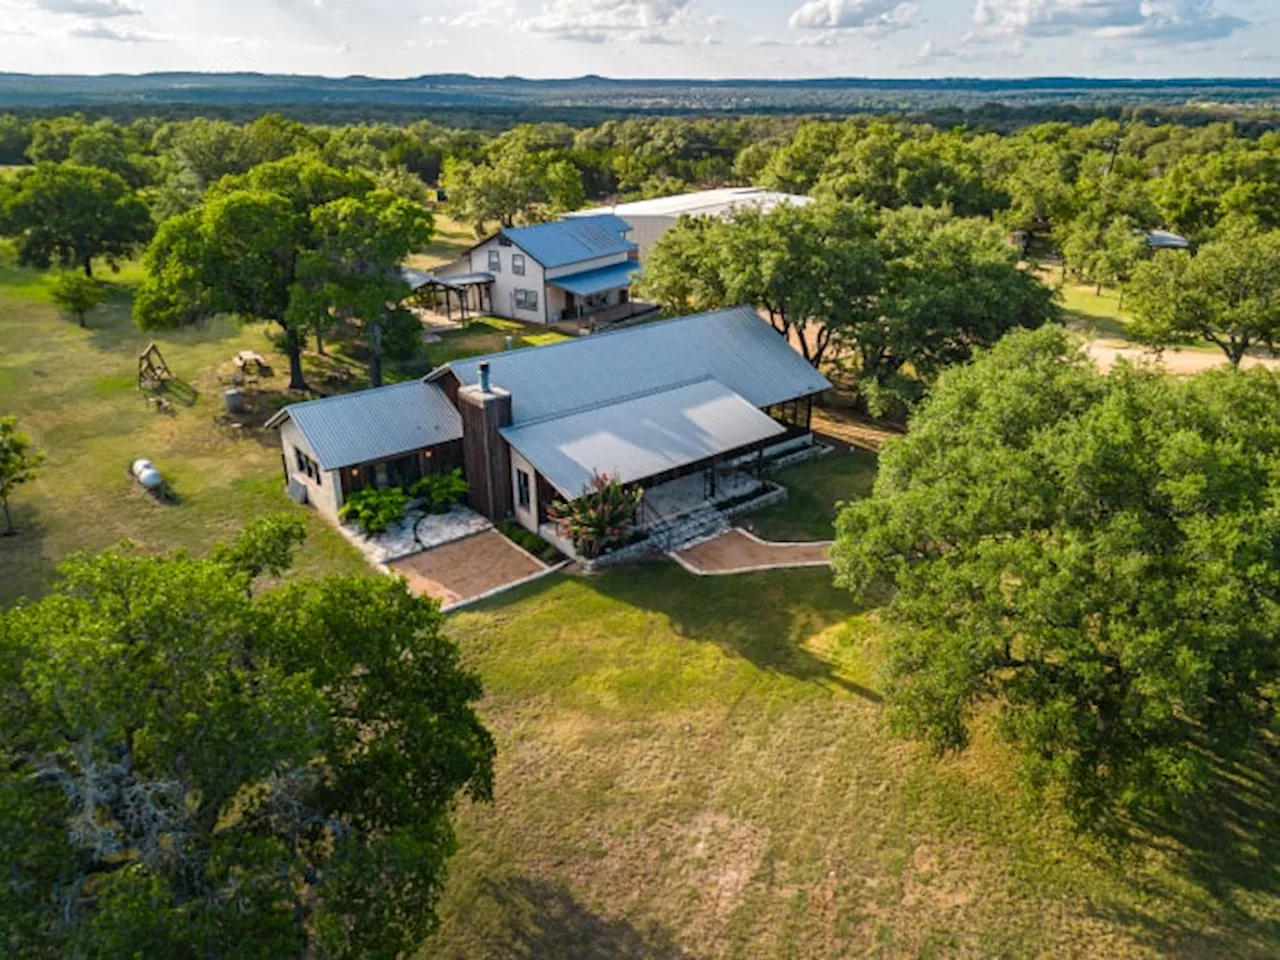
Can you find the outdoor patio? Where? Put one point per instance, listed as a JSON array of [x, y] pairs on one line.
[[677, 498]]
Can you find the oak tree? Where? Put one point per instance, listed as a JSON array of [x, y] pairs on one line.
[[198, 764], [1089, 559]]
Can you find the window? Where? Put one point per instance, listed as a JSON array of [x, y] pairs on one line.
[[522, 489], [526, 299], [307, 465], [517, 264], [495, 261]]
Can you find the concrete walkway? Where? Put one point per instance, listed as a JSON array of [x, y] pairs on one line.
[[737, 551]]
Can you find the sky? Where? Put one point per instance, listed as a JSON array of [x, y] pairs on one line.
[[647, 38]]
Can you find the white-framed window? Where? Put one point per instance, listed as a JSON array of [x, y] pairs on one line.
[[517, 264], [526, 299], [495, 261], [307, 466], [522, 489]]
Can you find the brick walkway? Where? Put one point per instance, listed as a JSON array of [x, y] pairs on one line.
[[736, 551], [465, 569]]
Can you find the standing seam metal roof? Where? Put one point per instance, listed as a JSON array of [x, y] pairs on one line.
[[376, 424], [597, 281], [572, 241], [641, 437], [733, 346]]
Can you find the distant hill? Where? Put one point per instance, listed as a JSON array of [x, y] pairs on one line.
[[598, 93]]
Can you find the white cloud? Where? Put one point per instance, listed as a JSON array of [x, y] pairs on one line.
[[485, 13], [934, 51], [853, 15], [1159, 21], [578, 18], [100, 31], [93, 9]]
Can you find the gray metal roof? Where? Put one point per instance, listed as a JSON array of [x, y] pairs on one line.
[[641, 437], [418, 279], [1166, 240], [564, 242], [374, 424], [733, 346], [597, 281]]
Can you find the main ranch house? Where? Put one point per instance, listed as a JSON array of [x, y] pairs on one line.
[[688, 409], [546, 273]]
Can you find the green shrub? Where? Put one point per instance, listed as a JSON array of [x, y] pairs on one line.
[[530, 541], [441, 491], [375, 510], [602, 518]]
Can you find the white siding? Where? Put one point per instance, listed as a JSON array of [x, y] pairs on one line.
[[326, 495], [505, 282], [526, 516]]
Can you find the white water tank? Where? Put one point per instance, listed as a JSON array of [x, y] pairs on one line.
[[147, 475]]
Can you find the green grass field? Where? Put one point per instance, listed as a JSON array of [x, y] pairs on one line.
[[698, 767], [688, 767], [815, 489], [75, 391]]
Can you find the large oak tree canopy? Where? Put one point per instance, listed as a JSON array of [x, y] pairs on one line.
[[1096, 557], [289, 241], [192, 764], [69, 214]]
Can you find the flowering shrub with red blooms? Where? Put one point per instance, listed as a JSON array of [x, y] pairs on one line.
[[603, 517]]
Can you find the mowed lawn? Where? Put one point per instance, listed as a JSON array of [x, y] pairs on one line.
[[75, 391], [699, 767]]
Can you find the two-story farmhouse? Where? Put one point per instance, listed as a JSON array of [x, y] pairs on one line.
[[546, 273], [672, 407]]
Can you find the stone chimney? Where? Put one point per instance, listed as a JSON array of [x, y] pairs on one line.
[[485, 410]]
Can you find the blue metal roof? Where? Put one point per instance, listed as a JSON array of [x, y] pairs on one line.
[[734, 346], [572, 241], [597, 281], [641, 437], [372, 425]]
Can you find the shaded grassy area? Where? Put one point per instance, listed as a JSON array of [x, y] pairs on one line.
[[489, 335], [815, 491], [452, 240], [698, 767], [1095, 315], [75, 391]]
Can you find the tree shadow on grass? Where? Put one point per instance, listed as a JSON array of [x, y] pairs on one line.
[[544, 921], [765, 618], [1230, 851], [25, 570]]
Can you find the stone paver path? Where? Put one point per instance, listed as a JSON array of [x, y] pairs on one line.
[[466, 569], [736, 551]]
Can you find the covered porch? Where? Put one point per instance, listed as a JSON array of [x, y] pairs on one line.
[[462, 296], [594, 297]]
